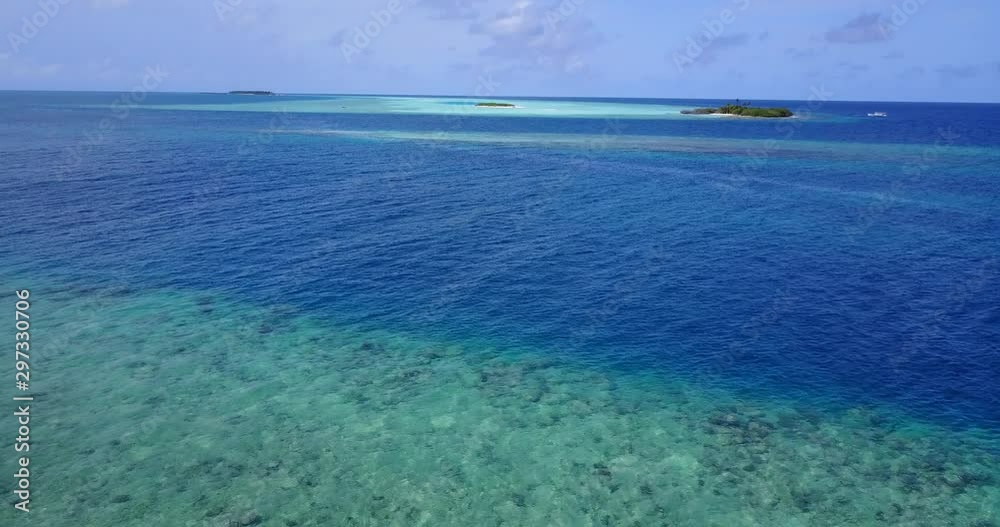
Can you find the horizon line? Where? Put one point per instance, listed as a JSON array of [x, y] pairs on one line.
[[442, 96]]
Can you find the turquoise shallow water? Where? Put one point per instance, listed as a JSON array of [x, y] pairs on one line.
[[525, 107], [274, 312], [181, 408]]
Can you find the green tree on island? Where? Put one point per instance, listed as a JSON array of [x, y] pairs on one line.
[[741, 109]]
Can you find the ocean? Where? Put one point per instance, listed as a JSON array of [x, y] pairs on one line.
[[397, 311]]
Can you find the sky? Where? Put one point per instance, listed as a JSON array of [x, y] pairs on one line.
[[873, 50]]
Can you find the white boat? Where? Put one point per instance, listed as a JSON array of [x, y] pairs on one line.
[[878, 114]]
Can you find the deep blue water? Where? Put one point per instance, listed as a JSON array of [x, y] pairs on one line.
[[838, 281]]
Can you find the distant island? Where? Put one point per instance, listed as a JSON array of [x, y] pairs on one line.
[[495, 105], [251, 92], [742, 110]]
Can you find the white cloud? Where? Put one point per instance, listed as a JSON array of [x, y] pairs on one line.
[[27, 69], [535, 35]]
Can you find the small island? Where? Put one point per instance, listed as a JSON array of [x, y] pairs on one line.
[[250, 92], [741, 110], [495, 105]]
